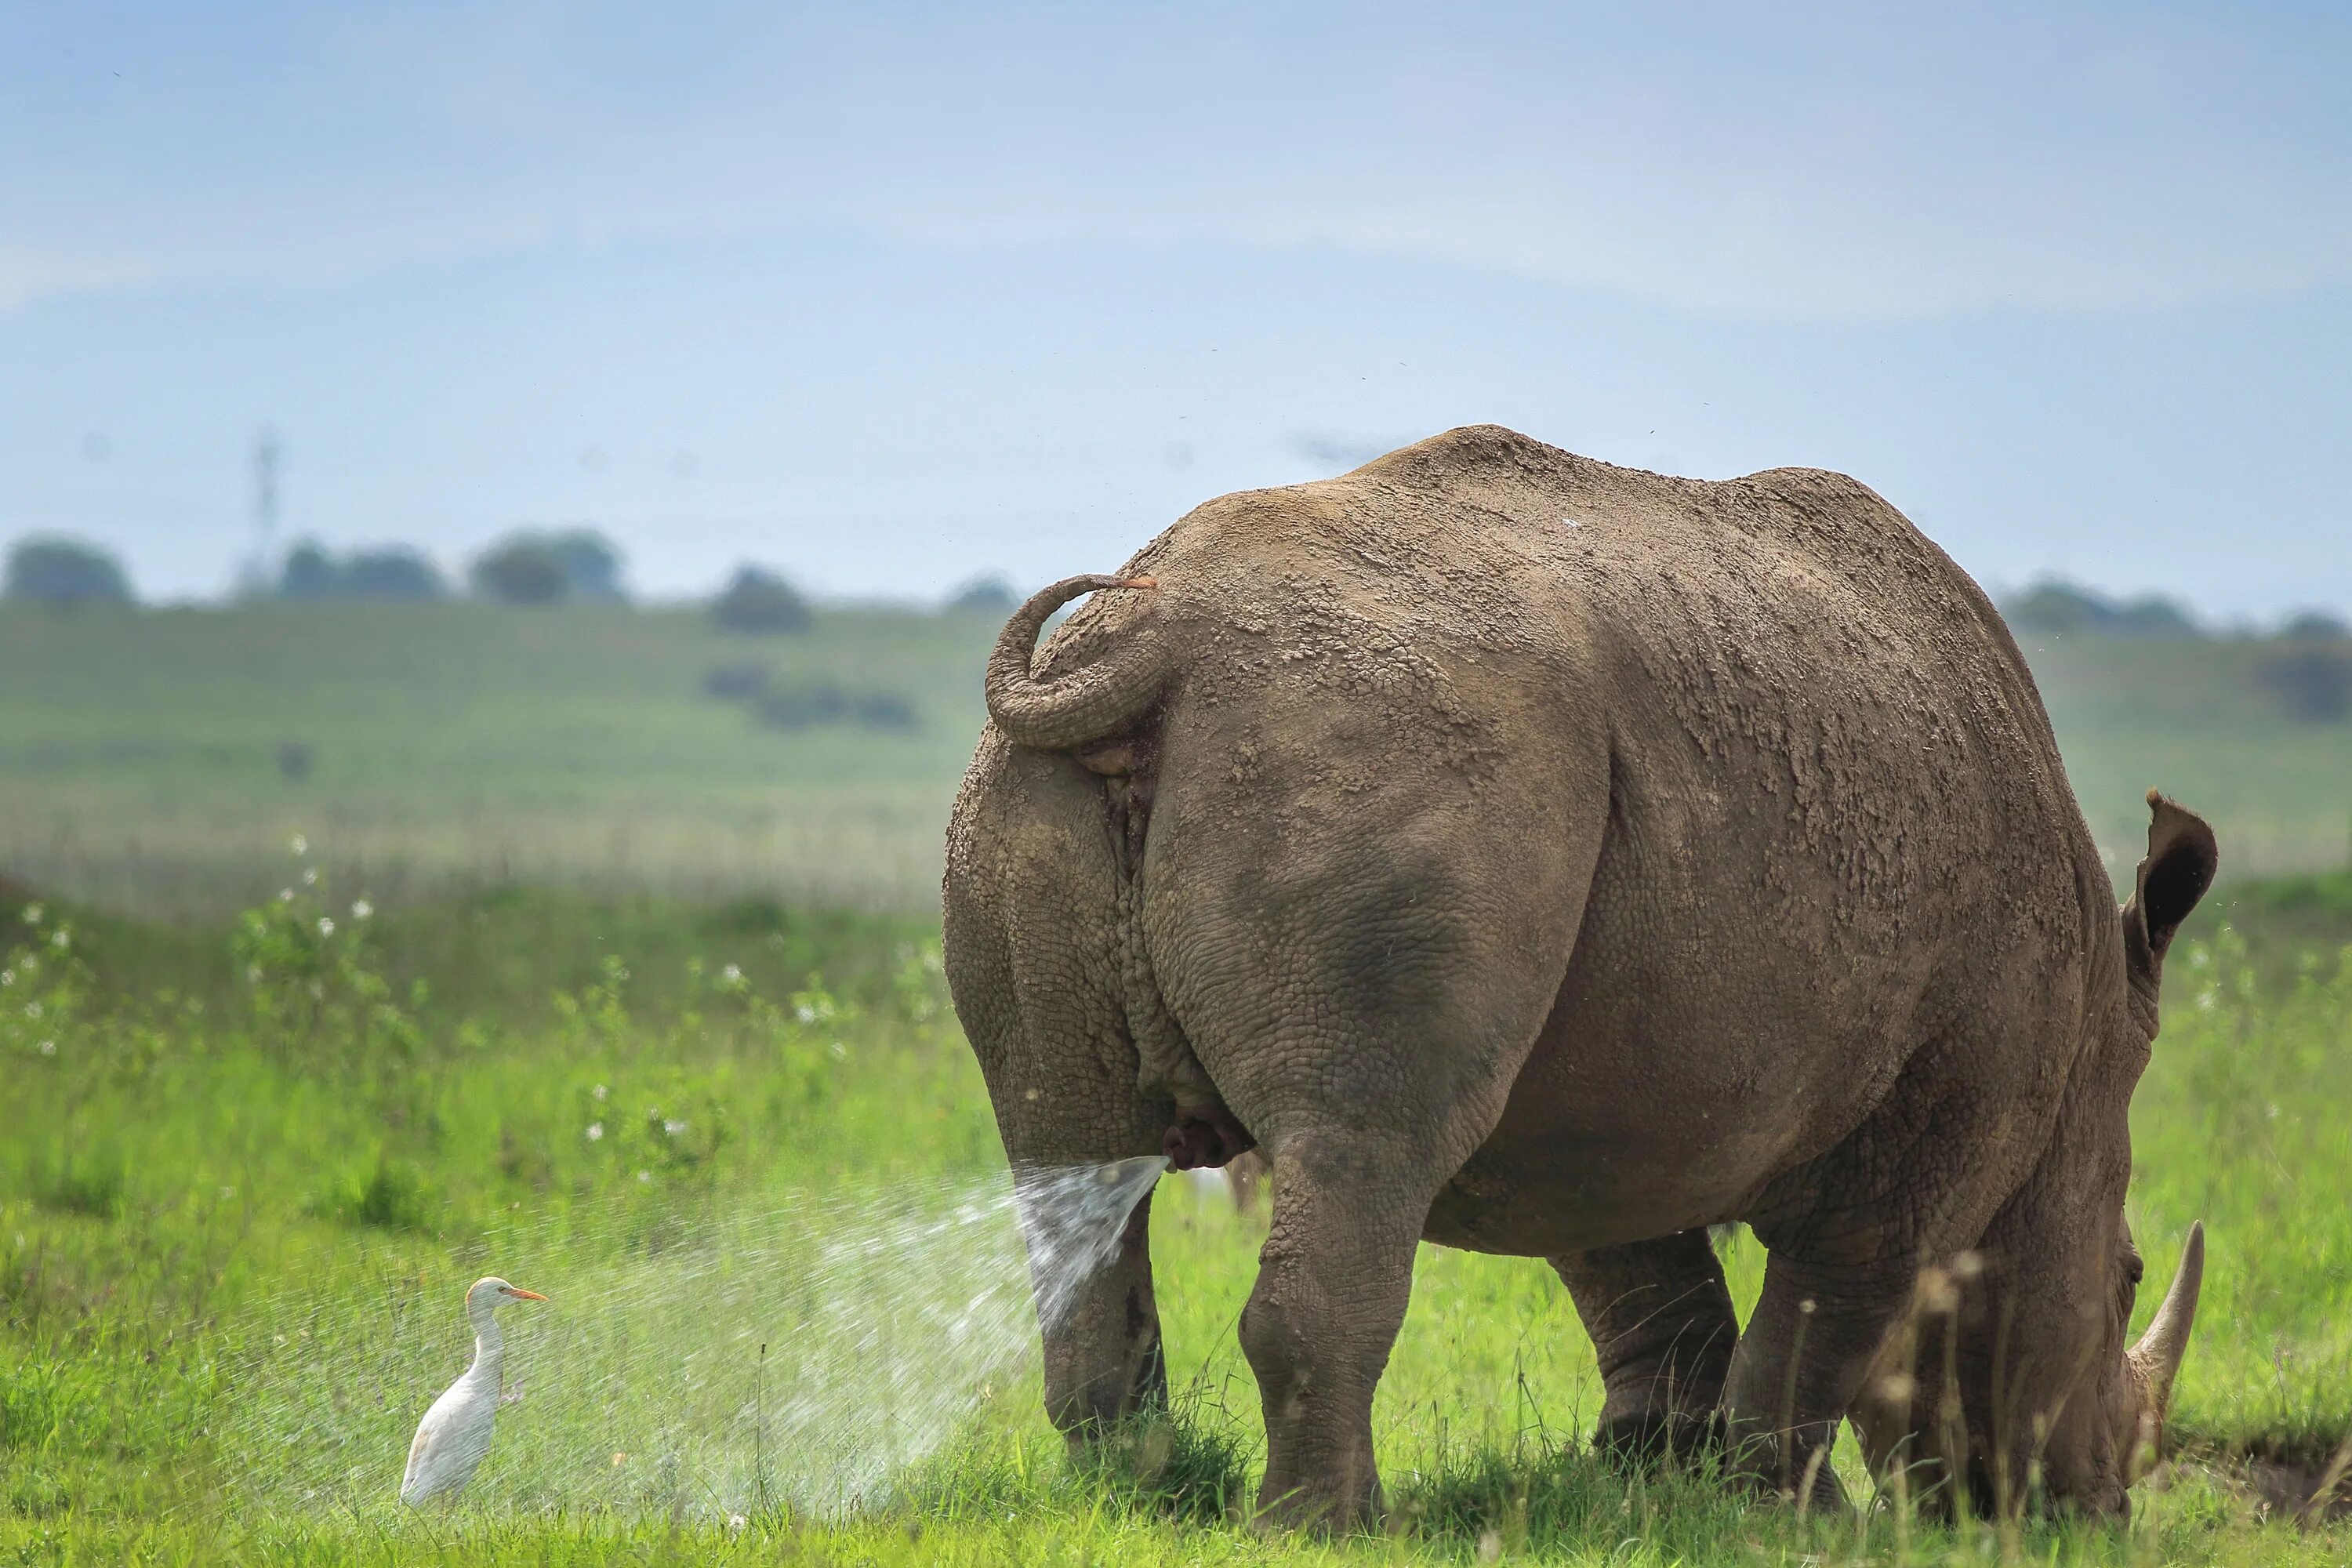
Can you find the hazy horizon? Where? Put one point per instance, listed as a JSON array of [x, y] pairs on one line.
[[889, 300]]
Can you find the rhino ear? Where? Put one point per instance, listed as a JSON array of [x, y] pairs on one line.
[[2181, 858]]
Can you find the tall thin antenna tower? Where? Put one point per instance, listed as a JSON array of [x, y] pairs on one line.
[[264, 510]]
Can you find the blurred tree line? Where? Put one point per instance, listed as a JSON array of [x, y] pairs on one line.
[[2306, 668], [2055, 607], [392, 573], [529, 566], [52, 571]]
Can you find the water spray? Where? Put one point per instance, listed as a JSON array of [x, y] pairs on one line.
[[805, 1358]]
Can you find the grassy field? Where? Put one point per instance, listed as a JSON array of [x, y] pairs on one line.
[[589, 977], [139, 753], [252, 1163], [2193, 717]]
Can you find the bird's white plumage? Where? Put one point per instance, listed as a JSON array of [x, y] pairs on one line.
[[450, 1441], [456, 1432]]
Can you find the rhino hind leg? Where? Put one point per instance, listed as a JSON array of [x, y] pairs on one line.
[[1663, 1331], [1334, 1278], [1033, 959], [1350, 1201]]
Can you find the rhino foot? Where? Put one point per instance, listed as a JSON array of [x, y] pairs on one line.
[[1649, 1440]]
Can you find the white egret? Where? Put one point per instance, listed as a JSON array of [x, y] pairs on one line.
[[456, 1433]]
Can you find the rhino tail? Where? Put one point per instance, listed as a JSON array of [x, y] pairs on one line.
[[1089, 703]]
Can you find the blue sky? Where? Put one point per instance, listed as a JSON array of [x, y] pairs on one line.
[[885, 296]]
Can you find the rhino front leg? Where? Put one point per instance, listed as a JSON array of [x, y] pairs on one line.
[[1334, 1278], [1809, 1344], [1662, 1328]]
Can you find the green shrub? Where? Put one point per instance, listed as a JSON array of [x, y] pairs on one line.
[[32, 1403], [91, 1184], [760, 604], [810, 703], [65, 572], [383, 1194]]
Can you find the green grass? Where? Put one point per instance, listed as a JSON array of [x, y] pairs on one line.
[[244, 1181], [255, 1164]]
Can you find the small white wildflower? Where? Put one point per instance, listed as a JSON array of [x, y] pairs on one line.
[[285, 895], [735, 1524], [317, 991], [253, 975], [310, 875], [301, 845], [326, 926], [32, 914], [7, 977], [62, 940], [2198, 958], [49, 1049], [32, 1009], [30, 967], [673, 1127], [733, 976], [2205, 1000], [361, 908], [599, 1091], [840, 1051], [596, 1131], [2271, 1114], [645, 1177], [805, 1014]]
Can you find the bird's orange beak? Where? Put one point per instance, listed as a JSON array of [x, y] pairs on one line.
[[518, 1292]]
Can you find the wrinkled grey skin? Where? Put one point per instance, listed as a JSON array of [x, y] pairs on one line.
[[1553, 859]]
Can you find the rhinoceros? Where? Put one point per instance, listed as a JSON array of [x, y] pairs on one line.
[[1555, 859]]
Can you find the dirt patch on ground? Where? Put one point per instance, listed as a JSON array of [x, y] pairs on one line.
[[2303, 1478], [2320, 1491]]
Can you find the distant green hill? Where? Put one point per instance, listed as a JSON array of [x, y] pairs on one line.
[[172, 755], [169, 756], [2204, 720]]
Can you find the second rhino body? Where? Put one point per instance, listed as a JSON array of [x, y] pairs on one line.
[[1554, 859]]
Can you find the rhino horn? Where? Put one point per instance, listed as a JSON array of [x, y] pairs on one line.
[[2157, 1358]]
